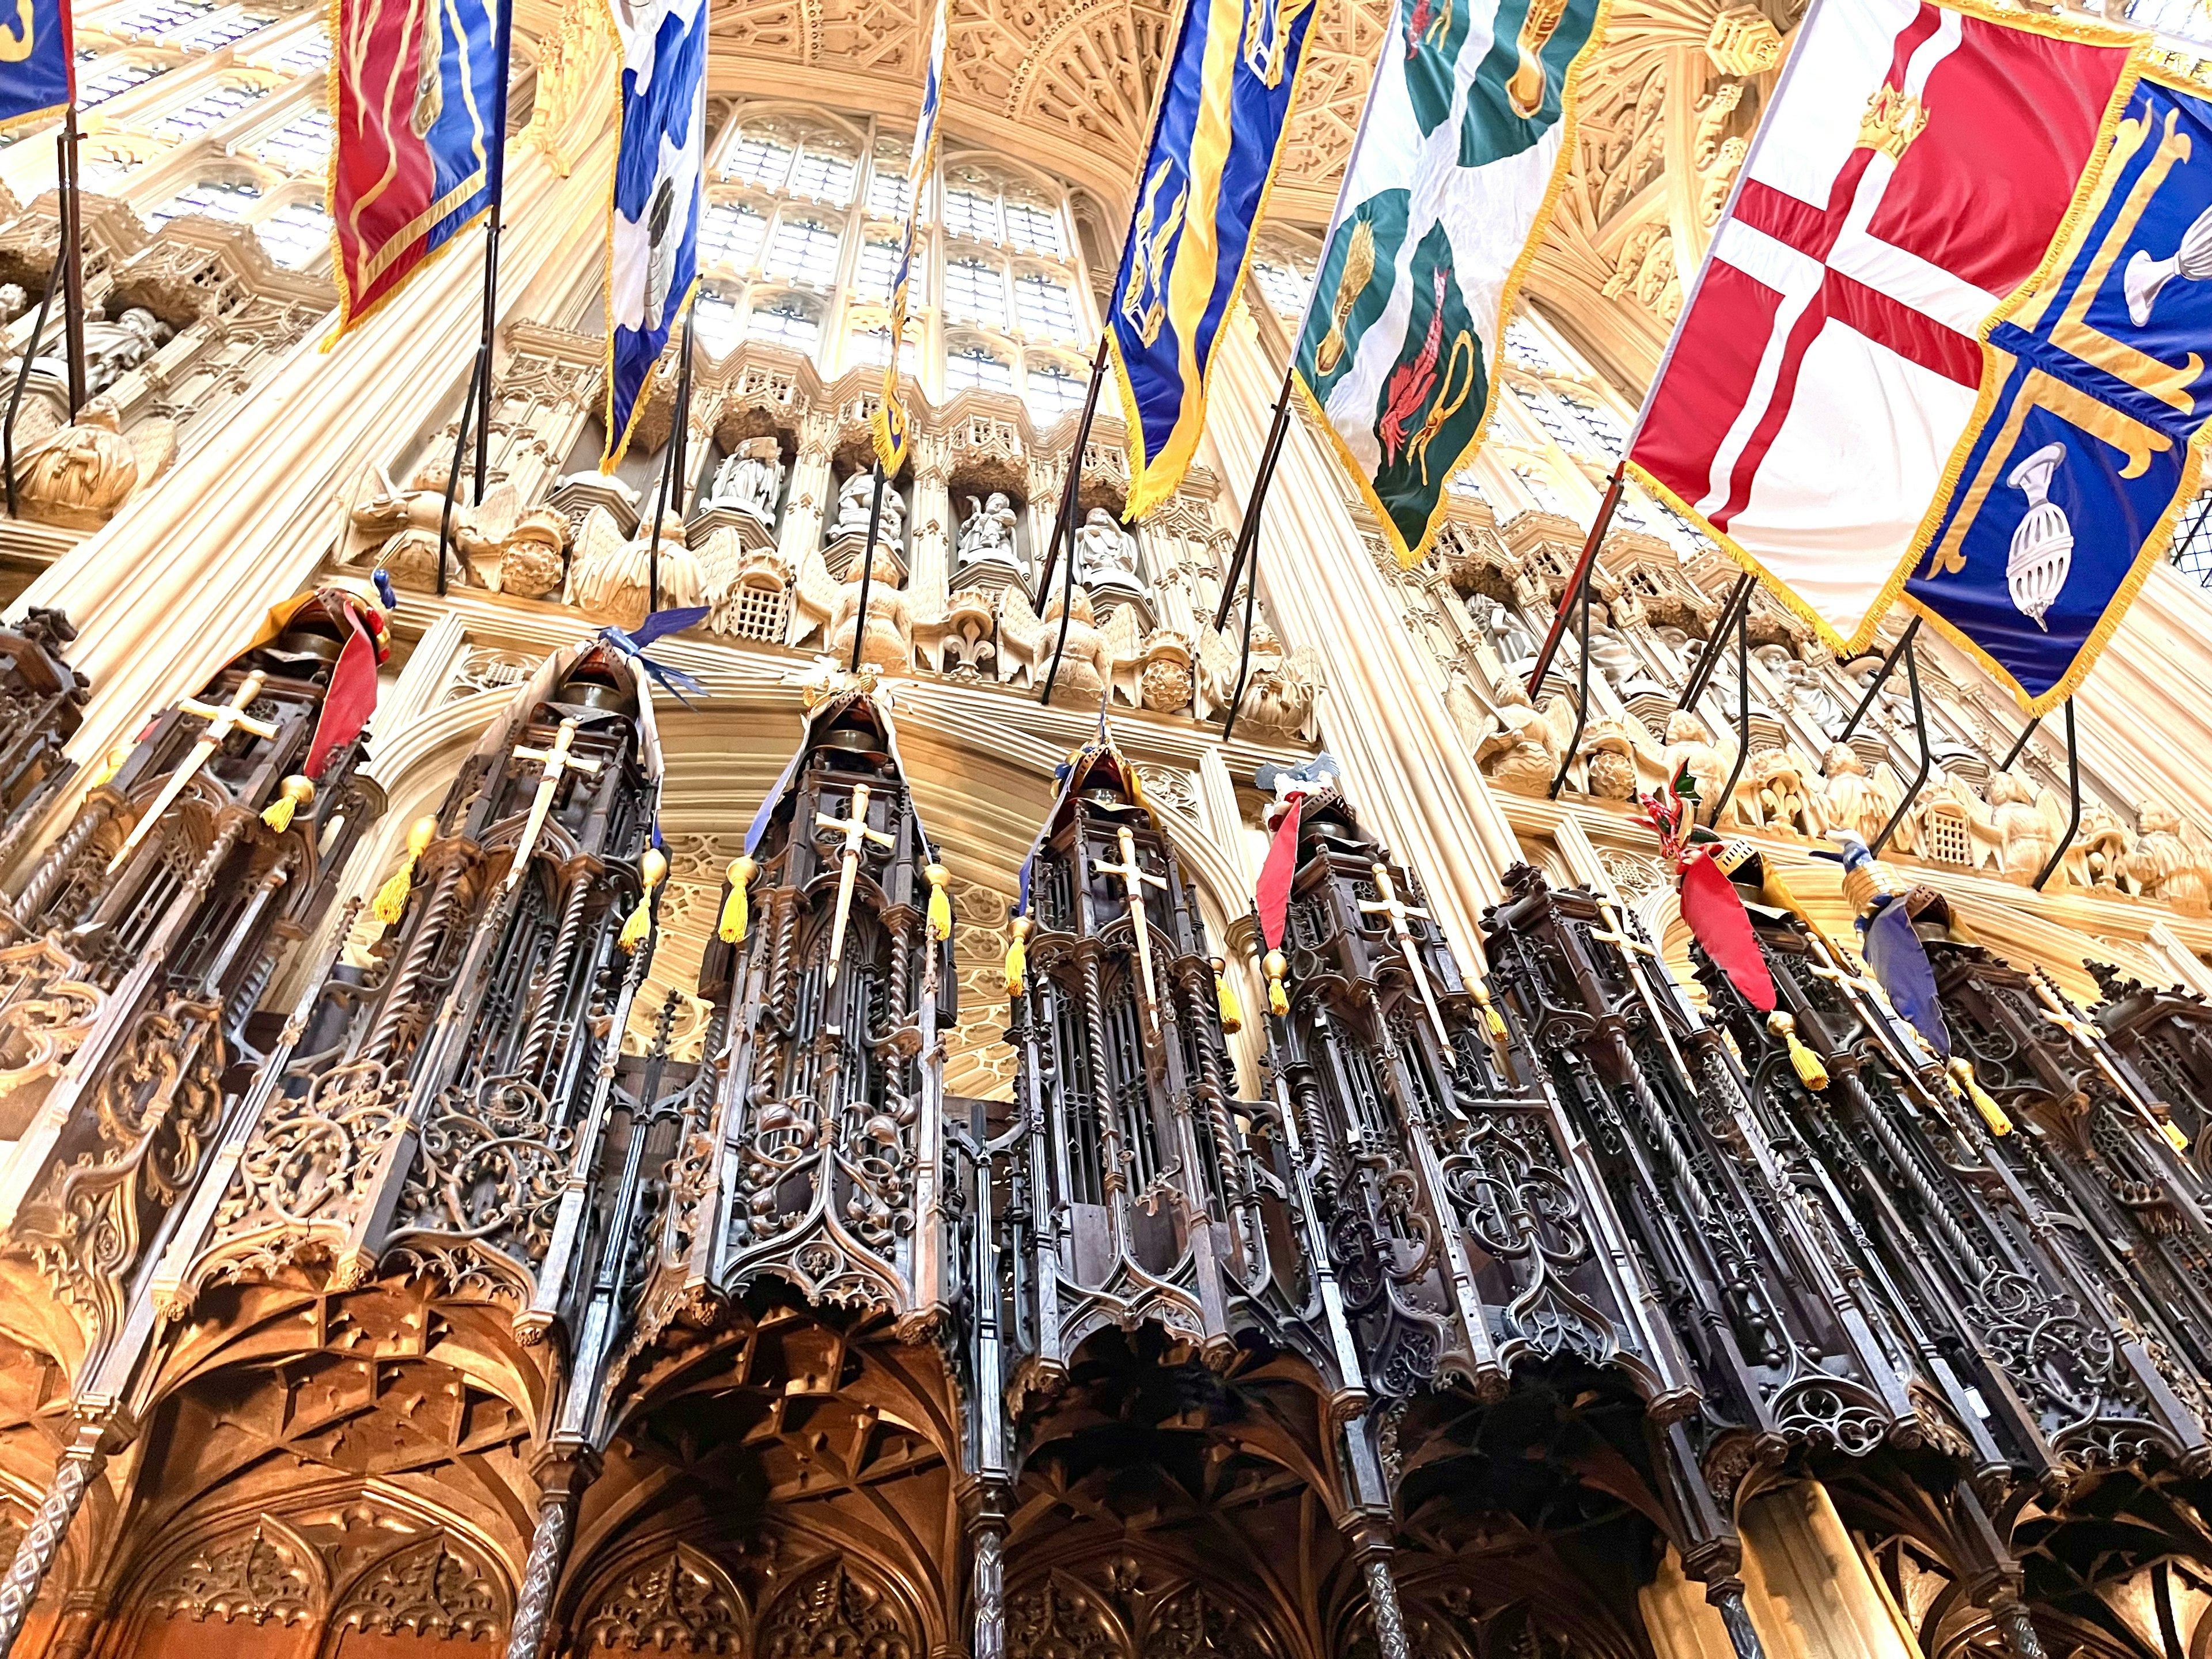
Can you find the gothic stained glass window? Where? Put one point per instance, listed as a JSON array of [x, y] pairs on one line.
[[758, 159], [787, 320], [803, 251], [114, 82], [297, 235], [879, 267], [888, 190], [719, 324], [1052, 391], [1282, 287], [160, 18], [1046, 308], [302, 142], [975, 292], [823, 174], [971, 215], [1033, 225], [311, 52], [211, 108], [975, 365], [730, 234], [230, 199], [224, 30]]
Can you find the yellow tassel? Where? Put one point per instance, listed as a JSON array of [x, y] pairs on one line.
[[940, 902], [1232, 1014], [1810, 1071], [737, 914], [1278, 998], [1017, 957], [110, 764], [1962, 1073], [1490, 1016], [391, 898], [2174, 1138], [293, 794], [652, 869]]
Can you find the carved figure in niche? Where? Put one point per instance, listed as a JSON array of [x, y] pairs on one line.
[[13, 302], [987, 536], [1608, 754], [1523, 747], [1095, 657], [749, 481], [890, 643], [854, 497], [1106, 556], [1805, 689], [1851, 798], [2171, 860], [1280, 689], [1689, 743], [79, 476], [1501, 627], [113, 349], [613, 576]]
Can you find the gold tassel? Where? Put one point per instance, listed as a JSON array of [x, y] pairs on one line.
[[652, 869], [293, 794], [737, 914], [110, 764], [1232, 1012], [1278, 1000], [1810, 1071], [940, 902], [391, 898], [1962, 1073], [1017, 957], [2174, 1137], [1490, 1016]]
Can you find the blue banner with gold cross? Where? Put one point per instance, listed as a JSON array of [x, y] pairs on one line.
[[2094, 395], [1224, 106], [38, 66]]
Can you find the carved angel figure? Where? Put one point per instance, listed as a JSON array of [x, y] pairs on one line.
[[506, 548], [613, 576], [987, 536], [2171, 859], [1280, 689], [2026, 821], [80, 475], [1523, 747], [1106, 555], [2099, 854], [1095, 659], [1851, 798], [854, 497], [1690, 744], [890, 643], [747, 481]]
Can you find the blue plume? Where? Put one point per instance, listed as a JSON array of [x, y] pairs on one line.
[[1900, 962], [382, 578], [661, 622], [675, 680]]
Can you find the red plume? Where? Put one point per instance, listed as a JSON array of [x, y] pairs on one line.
[[1273, 896], [1718, 921], [349, 701]]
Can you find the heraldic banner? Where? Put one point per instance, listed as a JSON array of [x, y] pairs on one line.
[[40, 79], [2086, 446], [1460, 156], [414, 86], [1902, 193], [653, 232], [1224, 103], [890, 426]]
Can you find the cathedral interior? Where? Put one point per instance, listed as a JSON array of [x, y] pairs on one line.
[[821, 1166]]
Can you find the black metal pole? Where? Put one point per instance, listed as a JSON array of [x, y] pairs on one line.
[[1070, 490], [671, 469], [1576, 583], [453, 473], [72, 263], [1927, 750], [502, 50], [1742, 712], [1066, 609], [1248, 532], [2073, 789], [1739, 598], [23, 377], [868, 567], [1245, 656], [1880, 679], [1582, 692], [2020, 743]]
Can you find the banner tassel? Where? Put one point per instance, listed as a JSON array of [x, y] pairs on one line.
[[1810, 1070], [1962, 1074], [293, 794], [1278, 1000], [1232, 1011], [736, 912], [941, 903], [1017, 957], [391, 898], [652, 869]]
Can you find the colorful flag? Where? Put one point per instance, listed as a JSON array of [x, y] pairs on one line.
[[416, 83], [1901, 195], [1217, 139], [2088, 438], [1461, 155], [652, 224], [889, 424], [41, 77]]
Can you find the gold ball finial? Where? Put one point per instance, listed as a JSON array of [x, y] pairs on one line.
[[421, 833]]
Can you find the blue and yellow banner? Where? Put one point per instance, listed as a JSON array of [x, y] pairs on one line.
[[1224, 103], [890, 426], [37, 62], [2094, 400]]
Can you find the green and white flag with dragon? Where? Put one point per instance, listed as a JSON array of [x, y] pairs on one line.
[[1461, 155]]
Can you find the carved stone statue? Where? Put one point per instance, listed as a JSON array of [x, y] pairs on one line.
[[854, 497], [1106, 556], [1608, 753], [1280, 688], [1805, 689], [1095, 658], [2026, 823], [2099, 854], [79, 476], [1775, 795], [113, 349], [13, 302], [987, 536], [748, 482], [1501, 626], [1688, 743], [505, 548], [2171, 860], [1851, 798], [890, 642], [1523, 748], [613, 576]]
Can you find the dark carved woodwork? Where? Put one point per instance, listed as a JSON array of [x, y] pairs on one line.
[[42, 702]]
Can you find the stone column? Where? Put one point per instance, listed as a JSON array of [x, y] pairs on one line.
[[929, 535], [181, 576], [1382, 714], [80, 1462], [560, 1478], [1390, 1640], [813, 490], [1813, 1594], [990, 1589]]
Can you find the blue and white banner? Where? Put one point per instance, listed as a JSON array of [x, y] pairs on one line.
[[2085, 445], [652, 236], [891, 425], [38, 65]]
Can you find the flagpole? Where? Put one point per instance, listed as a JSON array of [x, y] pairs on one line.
[[1579, 579], [23, 376], [868, 566], [502, 50], [72, 230], [671, 469], [1064, 524], [1248, 532]]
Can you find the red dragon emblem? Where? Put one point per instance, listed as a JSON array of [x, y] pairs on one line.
[[1411, 384]]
